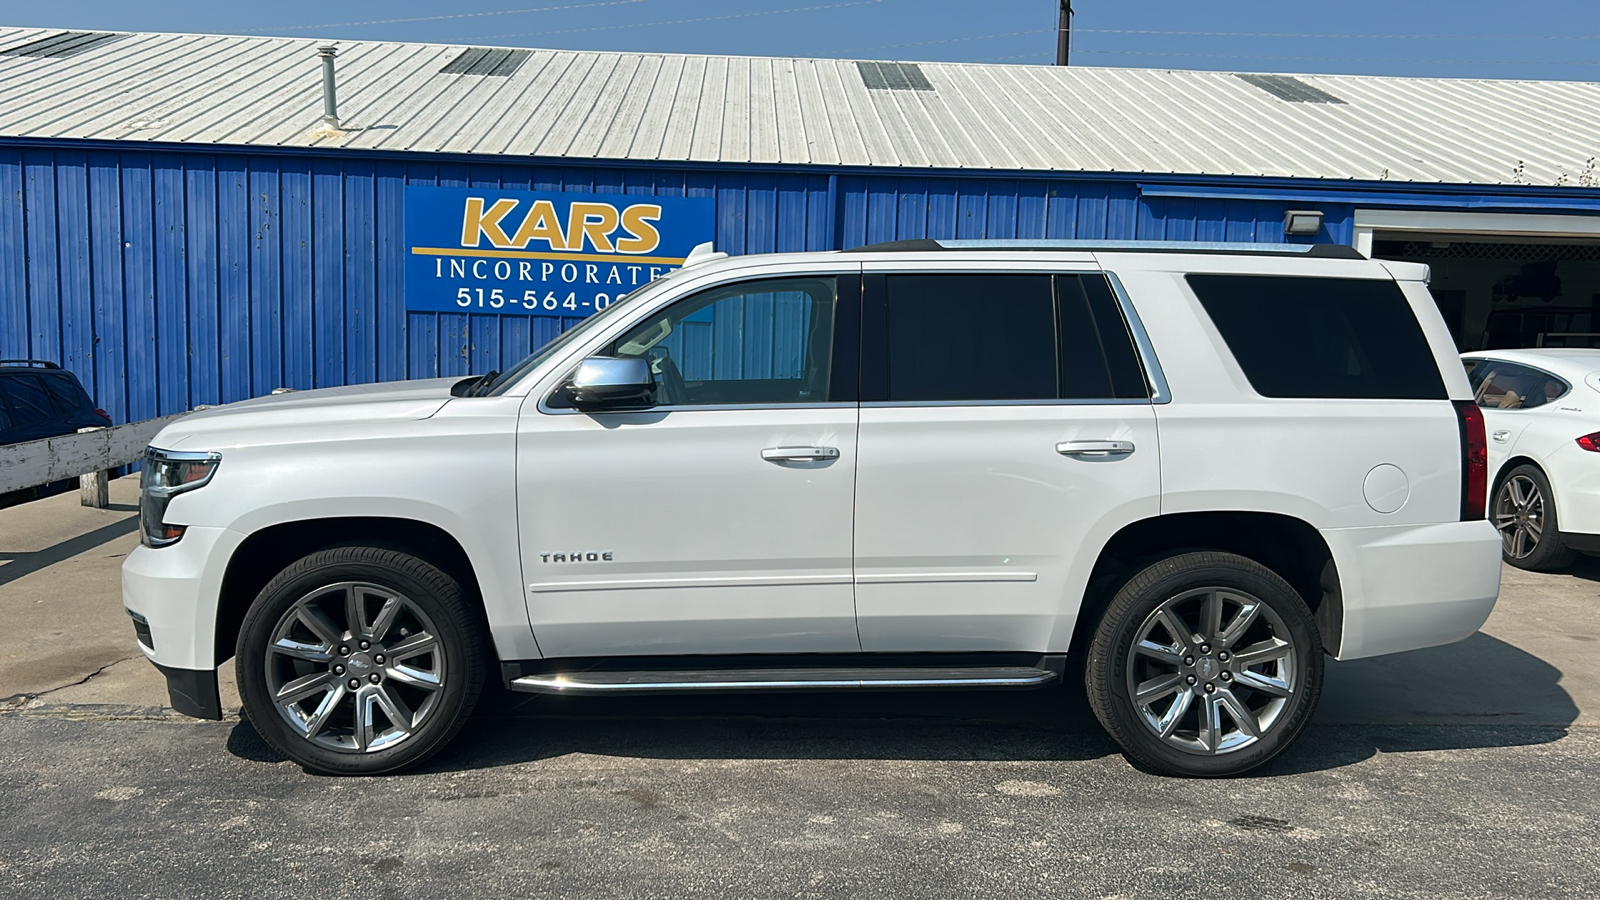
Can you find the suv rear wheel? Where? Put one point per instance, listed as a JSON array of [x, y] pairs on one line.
[[359, 661], [1205, 664]]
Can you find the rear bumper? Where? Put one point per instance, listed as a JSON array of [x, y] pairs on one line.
[[1575, 477], [1583, 543], [1409, 587]]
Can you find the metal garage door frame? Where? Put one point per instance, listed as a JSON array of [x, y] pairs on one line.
[[1370, 221]]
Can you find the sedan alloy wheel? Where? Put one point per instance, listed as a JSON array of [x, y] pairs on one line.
[[1519, 515]]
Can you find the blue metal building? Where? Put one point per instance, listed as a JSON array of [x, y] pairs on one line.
[[198, 234]]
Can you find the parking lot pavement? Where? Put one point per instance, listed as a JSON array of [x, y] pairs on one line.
[[805, 807], [1471, 770], [68, 640]]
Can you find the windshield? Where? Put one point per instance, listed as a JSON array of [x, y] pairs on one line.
[[534, 360]]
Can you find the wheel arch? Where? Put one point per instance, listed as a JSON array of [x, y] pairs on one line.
[[1288, 546], [1510, 464], [267, 551], [1554, 503]]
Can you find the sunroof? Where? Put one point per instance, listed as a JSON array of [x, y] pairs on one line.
[[886, 76], [1287, 87], [59, 46], [487, 61]]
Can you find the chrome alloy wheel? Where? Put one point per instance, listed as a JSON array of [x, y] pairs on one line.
[[1212, 670], [1519, 515], [355, 667]]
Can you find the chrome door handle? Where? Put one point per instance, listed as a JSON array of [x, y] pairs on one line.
[[1501, 436], [799, 454], [1094, 449]]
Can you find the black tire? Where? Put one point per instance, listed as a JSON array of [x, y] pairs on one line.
[[433, 605], [1177, 584], [1546, 551]]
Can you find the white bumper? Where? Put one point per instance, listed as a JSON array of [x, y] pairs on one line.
[[175, 590], [1577, 486], [1408, 587]]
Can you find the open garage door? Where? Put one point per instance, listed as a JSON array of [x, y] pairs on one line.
[[1508, 293], [1501, 281]]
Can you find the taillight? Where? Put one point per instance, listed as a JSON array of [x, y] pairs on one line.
[[1474, 461], [1590, 442], [104, 415]]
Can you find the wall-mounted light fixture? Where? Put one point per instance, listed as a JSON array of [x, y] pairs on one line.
[[1302, 221]]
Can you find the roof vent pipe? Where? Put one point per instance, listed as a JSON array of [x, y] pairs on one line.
[[330, 104]]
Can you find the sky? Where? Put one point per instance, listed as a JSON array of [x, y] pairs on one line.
[[1530, 39]]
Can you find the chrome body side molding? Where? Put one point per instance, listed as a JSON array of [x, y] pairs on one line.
[[677, 681]]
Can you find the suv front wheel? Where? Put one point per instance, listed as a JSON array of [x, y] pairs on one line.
[[360, 660], [1205, 664]]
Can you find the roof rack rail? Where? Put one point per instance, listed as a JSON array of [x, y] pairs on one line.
[[30, 362], [1313, 251]]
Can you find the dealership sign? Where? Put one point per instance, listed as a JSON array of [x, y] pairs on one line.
[[541, 254]]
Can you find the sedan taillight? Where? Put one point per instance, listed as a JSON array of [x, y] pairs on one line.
[[1590, 442]]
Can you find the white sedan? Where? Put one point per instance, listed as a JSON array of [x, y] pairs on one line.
[[1541, 411]]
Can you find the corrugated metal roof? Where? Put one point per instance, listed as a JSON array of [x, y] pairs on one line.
[[264, 91]]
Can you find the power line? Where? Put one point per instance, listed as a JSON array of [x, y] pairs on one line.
[[471, 15], [1018, 56], [1032, 31], [767, 12], [1295, 34], [975, 37], [1548, 62]]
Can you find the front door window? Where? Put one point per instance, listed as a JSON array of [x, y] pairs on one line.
[[756, 342]]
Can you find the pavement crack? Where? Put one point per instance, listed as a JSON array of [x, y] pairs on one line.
[[18, 701]]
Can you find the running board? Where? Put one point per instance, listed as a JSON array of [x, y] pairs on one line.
[[638, 682]]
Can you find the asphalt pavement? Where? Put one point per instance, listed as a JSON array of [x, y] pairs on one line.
[[1471, 770]]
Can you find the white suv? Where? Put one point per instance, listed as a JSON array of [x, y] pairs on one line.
[[1182, 473]]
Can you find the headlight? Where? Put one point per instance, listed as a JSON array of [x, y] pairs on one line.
[[166, 474]]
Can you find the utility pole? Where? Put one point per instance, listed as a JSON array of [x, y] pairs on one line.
[[1064, 33]]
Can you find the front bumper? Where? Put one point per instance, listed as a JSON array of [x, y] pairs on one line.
[[193, 693], [172, 592], [1409, 587]]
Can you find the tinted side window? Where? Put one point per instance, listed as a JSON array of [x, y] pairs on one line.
[[69, 396], [30, 402], [1503, 385], [753, 342], [1098, 360], [1321, 337], [971, 337]]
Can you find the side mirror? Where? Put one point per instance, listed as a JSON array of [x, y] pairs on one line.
[[609, 382]]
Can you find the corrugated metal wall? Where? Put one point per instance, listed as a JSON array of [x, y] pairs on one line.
[[166, 279]]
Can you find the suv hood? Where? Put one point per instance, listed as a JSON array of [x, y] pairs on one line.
[[357, 403]]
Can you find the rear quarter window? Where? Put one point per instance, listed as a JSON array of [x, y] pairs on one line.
[[1321, 338], [30, 402], [66, 391]]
